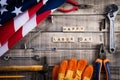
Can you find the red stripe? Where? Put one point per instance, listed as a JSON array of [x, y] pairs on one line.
[[15, 38], [34, 9], [7, 30], [42, 16], [18, 35]]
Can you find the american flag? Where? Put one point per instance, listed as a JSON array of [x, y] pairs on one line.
[[23, 17]]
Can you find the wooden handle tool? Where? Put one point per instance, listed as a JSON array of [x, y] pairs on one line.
[[12, 77], [22, 68]]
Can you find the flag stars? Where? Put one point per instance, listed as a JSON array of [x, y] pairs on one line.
[[17, 11], [2, 10], [3, 2], [22, 0], [38, 1]]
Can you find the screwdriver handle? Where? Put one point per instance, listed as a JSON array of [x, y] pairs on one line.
[[106, 63], [98, 65]]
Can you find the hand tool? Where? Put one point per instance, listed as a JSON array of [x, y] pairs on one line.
[[76, 6], [102, 60], [112, 12], [38, 68], [41, 69], [12, 77], [22, 68], [35, 57]]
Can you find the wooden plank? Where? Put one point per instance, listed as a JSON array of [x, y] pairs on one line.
[[88, 18], [44, 40], [52, 57], [89, 23], [55, 57], [99, 7]]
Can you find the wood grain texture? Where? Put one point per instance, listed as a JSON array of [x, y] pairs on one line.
[[41, 38]]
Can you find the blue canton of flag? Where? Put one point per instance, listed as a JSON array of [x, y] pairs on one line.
[[12, 8]]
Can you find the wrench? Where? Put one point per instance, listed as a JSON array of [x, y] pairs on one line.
[[112, 12], [35, 57]]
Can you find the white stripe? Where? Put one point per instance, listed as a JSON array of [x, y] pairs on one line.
[[4, 49], [21, 20], [38, 1], [53, 10], [44, 1], [29, 25]]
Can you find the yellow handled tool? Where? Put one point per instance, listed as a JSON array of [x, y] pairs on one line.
[[12, 77], [22, 68]]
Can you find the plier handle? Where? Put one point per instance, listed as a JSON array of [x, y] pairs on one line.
[[102, 61], [76, 6]]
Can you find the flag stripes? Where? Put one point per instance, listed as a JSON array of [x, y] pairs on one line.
[[35, 20], [15, 30], [13, 25]]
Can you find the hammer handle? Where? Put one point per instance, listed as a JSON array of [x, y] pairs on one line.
[[22, 68], [11, 77]]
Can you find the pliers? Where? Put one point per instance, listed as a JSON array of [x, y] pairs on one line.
[[102, 60], [76, 6]]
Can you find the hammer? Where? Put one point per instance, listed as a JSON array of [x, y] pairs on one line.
[[41, 69]]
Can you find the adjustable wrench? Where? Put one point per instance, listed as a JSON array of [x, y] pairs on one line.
[[112, 12]]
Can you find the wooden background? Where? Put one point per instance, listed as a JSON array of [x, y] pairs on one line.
[[41, 38]]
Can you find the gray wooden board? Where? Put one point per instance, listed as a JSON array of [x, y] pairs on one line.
[[55, 57], [90, 23], [99, 7], [89, 19], [44, 40]]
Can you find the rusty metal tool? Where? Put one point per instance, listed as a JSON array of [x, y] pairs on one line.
[[112, 12], [11, 77], [34, 57]]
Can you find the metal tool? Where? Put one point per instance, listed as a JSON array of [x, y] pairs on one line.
[[41, 69], [76, 6], [102, 60], [112, 12], [35, 57]]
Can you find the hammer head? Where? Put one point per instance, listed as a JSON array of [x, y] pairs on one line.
[[46, 69]]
